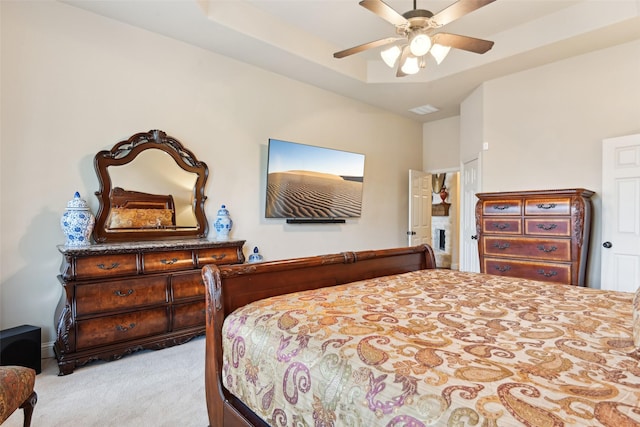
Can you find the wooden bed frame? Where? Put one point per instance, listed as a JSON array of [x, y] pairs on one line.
[[233, 286]]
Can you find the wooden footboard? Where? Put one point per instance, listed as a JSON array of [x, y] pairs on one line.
[[233, 286]]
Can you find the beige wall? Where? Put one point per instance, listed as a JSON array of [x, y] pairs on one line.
[[74, 83], [545, 126], [556, 117], [441, 141]]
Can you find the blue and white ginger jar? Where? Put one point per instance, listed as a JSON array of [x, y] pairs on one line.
[[255, 256], [223, 224], [77, 222]]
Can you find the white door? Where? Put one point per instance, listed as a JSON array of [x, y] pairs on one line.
[[470, 172], [620, 259], [419, 208]]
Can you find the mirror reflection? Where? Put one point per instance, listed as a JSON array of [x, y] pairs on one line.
[[169, 188]]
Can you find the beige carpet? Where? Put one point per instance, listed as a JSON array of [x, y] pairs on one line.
[[147, 388]]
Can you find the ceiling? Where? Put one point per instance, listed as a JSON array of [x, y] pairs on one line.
[[297, 38]]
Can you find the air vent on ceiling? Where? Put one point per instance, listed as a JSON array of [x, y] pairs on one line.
[[424, 109]]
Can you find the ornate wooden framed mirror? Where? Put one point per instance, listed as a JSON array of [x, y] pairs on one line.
[[151, 188]]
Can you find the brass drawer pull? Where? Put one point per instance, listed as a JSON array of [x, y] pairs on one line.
[[221, 256], [546, 206], [123, 294], [121, 328], [503, 268], [501, 246], [501, 207], [543, 249], [104, 267], [169, 261], [502, 226], [549, 274], [547, 227]]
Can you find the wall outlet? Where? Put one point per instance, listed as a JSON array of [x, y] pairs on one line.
[[485, 146]]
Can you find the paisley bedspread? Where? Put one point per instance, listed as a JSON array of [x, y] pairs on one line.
[[436, 347]]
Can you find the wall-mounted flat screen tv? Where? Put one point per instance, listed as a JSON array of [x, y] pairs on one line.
[[313, 183]]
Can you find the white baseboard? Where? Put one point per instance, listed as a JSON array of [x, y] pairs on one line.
[[46, 350]]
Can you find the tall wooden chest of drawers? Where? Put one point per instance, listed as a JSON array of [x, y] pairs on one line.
[[539, 235], [122, 297]]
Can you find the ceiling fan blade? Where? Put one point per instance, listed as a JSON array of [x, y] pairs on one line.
[[384, 11], [362, 47], [458, 10], [470, 44], [401, 61]]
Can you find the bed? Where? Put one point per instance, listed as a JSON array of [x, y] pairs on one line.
[[383, 338]]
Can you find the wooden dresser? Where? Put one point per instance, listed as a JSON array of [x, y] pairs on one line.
[[539, 235], [122, 297]]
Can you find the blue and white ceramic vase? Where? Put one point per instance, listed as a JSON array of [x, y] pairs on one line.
[[77, 222], [223, 224], [255, 256]]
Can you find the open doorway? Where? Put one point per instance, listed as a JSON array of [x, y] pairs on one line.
[[445, 218]]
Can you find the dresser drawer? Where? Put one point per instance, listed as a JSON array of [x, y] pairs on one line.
[[188, 285], [502, 207], [102, 266], [549, 272], [543, 249], [101, 331], [103, 297], [189, 315], [167, 261], [502, 225], [548, 226], [217, 256], [559, 206]]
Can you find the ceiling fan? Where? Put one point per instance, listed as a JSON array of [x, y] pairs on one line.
[[417, 29]]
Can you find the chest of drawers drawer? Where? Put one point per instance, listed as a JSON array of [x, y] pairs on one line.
[[167, 261], [548, 272], [502, 225], [502, 207], [101, 266], [101, 297], [547, 206], [548, 226], [219, 255], [110, 329], [188, 315], [187, 285], [533, 248]]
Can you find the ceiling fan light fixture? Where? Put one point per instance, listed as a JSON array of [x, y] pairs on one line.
[[439, 52], [390, 56], [411, 65], [419, 43]]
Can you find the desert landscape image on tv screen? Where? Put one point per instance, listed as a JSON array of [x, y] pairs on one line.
[[304, 181]]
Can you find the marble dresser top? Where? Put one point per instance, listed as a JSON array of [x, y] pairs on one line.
[[151, 245]]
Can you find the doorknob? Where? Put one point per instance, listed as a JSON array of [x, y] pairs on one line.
[[607, 245], [411, 233], [474, 237]]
